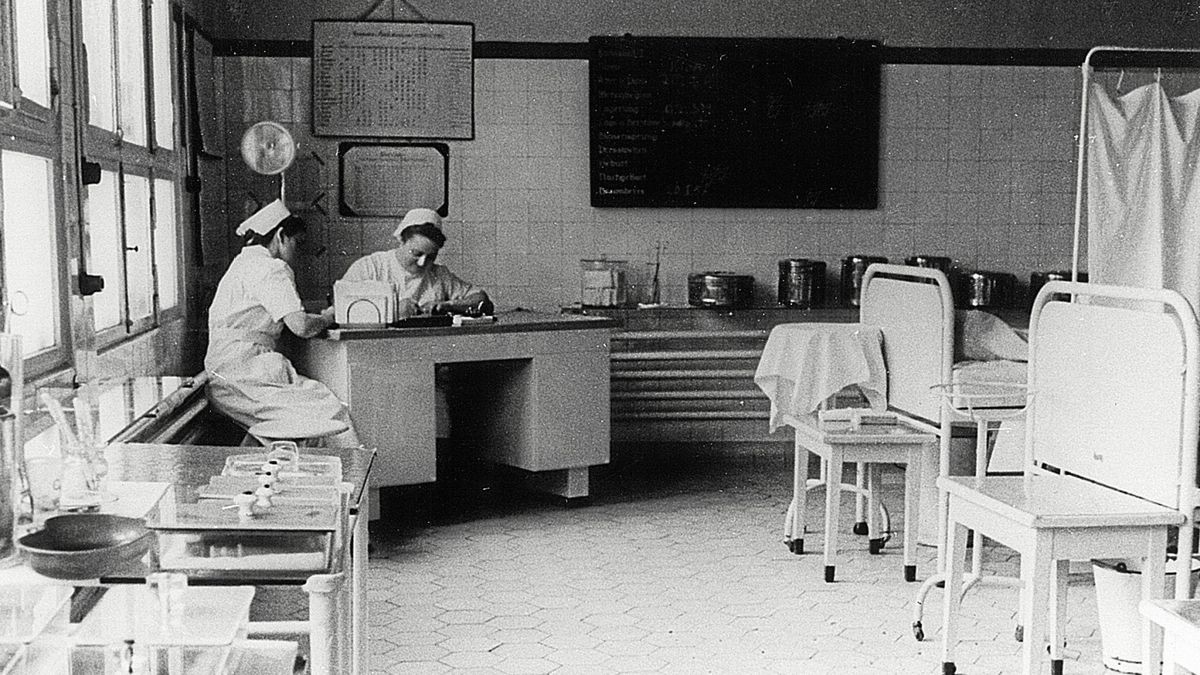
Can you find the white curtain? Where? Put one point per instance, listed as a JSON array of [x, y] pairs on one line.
[[1143, 189]]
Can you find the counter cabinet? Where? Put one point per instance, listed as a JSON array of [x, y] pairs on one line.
[[682, 374]]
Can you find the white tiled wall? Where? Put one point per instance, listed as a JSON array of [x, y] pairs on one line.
[[978, 164]]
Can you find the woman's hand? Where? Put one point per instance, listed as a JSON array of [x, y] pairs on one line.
[[406, 308]]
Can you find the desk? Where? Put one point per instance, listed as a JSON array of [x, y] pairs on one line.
[[541, 404], [337, 601]]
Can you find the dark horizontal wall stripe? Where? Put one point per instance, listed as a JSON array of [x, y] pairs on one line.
[[961, 56], [263, 48], [531, 50]]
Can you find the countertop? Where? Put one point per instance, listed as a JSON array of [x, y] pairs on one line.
[[509, 321]]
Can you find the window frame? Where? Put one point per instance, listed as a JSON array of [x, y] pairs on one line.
[[31, 128], [150, 161]]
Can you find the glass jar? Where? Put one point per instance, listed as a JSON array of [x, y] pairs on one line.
[[602, 283]]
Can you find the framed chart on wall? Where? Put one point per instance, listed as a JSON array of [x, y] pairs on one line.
[[393, 79], [387, 179]]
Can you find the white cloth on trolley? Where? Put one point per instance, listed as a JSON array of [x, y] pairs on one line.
[[803, 364]]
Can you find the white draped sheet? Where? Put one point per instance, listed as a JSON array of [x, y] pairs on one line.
[[1143, 189]]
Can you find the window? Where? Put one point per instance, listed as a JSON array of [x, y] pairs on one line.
[[33, 303], [103, 212], [119, 102], [29, 242], [166, 243], [131, 214], [32, 52]]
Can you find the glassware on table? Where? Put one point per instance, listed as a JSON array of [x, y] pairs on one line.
[[286, 453], [170, 589], [43, 475]]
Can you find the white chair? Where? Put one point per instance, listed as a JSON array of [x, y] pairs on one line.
[[1111, 436]]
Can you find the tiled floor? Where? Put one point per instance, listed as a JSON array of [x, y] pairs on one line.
[[677, 566]]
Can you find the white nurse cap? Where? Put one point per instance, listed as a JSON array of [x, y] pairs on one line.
[[265, 219], [416, 217]]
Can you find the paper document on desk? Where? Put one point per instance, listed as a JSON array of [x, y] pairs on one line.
[[363, 302]]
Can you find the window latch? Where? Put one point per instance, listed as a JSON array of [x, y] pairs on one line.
[[90, 284], [89, 171]]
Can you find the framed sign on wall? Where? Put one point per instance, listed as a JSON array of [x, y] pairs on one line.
[[393, 79], [388, 179]]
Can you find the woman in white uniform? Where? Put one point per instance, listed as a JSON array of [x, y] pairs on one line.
[[421, 285], [251, 381]]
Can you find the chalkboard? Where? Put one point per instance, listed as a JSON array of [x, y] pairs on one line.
[[734, 122]]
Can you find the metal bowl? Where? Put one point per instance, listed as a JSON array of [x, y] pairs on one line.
[[85, 546]]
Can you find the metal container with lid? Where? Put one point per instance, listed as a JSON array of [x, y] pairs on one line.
[[720, 290], [987, 290], [854, 267], [936, 262], [1039, 279], [801, 283]]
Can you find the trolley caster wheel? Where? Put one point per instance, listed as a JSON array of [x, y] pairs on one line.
[[948, 668], [829, 574], [796, 546], [1019, 633], [860, 528], [875, 546], [918, 631], [910, 573]]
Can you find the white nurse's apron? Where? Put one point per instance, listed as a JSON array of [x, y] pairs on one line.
[[250, 381]]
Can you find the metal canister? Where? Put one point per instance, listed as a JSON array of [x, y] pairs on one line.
[[801, 283], [1039, 279], [724, 290], [853, 269], [936, 262], [987, 290]]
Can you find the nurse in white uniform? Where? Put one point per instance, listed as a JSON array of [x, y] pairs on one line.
[[422, 286], [252, 382]]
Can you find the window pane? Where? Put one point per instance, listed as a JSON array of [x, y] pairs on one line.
[[164, 108], [139, 275], [166, 247], [33, 49], [30, 263], [131, 64], [98, 38], [105, 249]]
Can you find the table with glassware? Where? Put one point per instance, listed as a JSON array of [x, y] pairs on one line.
[[184, 604]]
